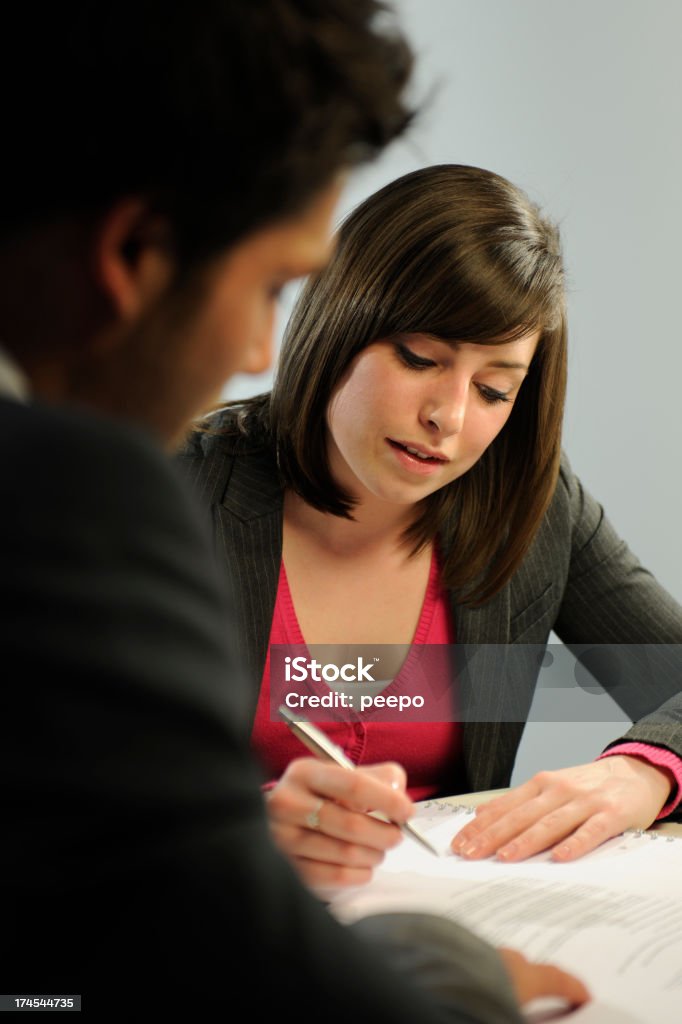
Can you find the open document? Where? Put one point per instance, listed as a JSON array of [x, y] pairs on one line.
[[613, 918]]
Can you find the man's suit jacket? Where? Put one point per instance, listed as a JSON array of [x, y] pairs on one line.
[[578, 579], [136, 865]]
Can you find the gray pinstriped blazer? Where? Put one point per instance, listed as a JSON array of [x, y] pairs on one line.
[[578, 579]]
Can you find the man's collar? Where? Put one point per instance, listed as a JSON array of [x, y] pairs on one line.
[[13, 381]]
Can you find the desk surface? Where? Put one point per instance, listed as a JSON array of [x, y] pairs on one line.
[[480, 798]]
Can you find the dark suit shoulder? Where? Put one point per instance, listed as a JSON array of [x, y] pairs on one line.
[[573, 529], [229, 460], [231, 430], [537, 585], [105, 547], [60, 457], [572, 516], [553, 536]]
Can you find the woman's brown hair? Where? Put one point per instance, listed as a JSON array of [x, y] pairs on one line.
[[459, 253]]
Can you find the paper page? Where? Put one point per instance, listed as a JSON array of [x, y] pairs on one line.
[[614, 918]]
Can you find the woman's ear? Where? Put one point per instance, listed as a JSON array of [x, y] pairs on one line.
[[133, 259]]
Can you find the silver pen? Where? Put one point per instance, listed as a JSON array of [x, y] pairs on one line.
[[319, 744]]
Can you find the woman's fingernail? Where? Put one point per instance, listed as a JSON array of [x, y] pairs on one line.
[[507, 851]]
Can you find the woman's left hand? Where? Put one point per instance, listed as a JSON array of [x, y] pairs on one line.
[[570, 811]]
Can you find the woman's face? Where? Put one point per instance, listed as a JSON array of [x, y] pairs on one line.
[[414, 413]]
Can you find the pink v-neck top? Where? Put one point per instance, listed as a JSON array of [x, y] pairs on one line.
[[430, 752]]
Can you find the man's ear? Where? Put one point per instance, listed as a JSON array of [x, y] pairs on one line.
[[133, 259]]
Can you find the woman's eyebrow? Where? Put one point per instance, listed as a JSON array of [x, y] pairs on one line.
[[505, 364]]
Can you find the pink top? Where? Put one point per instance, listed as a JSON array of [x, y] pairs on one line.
[[430, 752]]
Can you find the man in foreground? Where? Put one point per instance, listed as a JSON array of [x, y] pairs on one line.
[[168, 169]]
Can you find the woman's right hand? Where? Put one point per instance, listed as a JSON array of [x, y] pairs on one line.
[[319, 817]]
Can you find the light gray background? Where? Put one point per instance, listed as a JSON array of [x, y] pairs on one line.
[[581, 105]]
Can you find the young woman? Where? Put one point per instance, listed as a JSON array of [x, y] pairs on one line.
[[404, 484]]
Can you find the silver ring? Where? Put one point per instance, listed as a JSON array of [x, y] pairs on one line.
[[312, 819]]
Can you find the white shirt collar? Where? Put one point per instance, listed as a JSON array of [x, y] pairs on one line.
[[13, 381]]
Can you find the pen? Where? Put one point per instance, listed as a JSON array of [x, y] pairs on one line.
[[319, 744]]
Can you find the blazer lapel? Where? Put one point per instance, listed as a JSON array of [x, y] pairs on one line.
[[248, 528], [486, 695]]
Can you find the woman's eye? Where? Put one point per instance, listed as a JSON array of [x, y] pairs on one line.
[[491, 396], [411, 359]]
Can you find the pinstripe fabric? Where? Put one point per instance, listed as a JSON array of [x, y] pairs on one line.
[[240, 486], [578, 579]]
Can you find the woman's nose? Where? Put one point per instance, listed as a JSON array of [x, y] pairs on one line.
[[446, 412]]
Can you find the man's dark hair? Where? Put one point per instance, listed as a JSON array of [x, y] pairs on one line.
[[223, 114]]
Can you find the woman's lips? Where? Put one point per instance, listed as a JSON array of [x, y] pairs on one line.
[[416, 458]]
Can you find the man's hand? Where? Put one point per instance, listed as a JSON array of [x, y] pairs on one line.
[[532, 981]]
